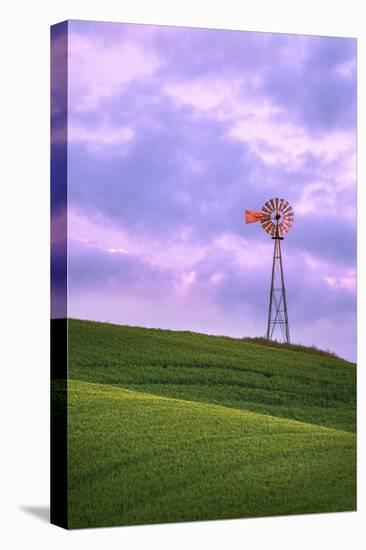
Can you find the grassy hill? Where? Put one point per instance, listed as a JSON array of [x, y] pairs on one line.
[[168, 426]]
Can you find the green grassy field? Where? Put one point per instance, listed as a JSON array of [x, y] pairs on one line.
[[170, 426]]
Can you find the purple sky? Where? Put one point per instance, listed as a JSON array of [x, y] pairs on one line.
[[172, 133]]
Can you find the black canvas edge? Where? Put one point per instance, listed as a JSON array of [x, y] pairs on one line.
[[58, 275]]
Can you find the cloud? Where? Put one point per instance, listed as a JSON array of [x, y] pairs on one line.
[[347, 282], [205, 94], [316, 92], [100, 68], [266, 127], [346, 69], [279, 142], [98, 138]]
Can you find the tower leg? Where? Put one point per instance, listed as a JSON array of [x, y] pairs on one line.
[[277, 313]]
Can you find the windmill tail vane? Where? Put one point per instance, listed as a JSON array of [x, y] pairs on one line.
[[252, 216], [276, 218]]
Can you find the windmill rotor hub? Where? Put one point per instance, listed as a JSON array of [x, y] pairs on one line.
[[277, 217]]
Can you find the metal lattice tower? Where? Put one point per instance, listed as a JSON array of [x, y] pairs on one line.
[[277, 314], [276, 218]]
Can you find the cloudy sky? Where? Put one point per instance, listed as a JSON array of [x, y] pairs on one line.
[[172, 133]]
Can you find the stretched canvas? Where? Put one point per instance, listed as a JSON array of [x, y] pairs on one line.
[[203, 274]]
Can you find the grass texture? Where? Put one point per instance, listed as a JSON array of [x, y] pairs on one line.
[[170, 426]]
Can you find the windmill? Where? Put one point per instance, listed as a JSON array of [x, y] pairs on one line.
[[276, 218]]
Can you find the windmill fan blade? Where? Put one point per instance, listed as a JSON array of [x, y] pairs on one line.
[[277, 200], [288, 209], [267, 226], [281, 230], [273, 204], [270, 207], [287, 214], [280, 204], [266, 210], [286, 226], [266, 223], [285, 205]]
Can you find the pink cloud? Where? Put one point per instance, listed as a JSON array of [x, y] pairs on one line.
[[178, 252], [261, 124], [346, 69], [100, 137], [343, 282], [100, 69]]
